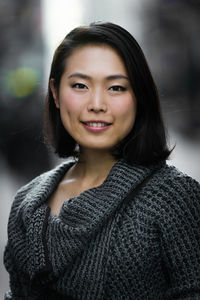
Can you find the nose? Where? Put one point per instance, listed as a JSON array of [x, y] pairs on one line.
[[97, 102]]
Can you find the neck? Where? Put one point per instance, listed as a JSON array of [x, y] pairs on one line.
[[93, 166]]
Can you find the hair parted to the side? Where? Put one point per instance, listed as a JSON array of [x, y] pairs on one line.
[[146, 143]]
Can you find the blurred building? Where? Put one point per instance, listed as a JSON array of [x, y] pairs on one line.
[[172, 43], [21, 94]]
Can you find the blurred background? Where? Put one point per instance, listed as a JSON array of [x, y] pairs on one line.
[[168, 32]]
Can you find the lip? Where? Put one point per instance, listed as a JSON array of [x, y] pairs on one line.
[[96, 121], [96, 128]]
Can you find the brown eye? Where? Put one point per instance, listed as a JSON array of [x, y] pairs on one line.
[[117, 88], [79, 86]]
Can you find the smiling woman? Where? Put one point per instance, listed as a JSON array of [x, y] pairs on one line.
[[95, 98], [114, 221]]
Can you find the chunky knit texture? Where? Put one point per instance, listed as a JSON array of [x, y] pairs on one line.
[[103, 245]]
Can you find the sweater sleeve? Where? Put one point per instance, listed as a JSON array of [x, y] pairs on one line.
[[25, 253], [181, 239], [19, 283]]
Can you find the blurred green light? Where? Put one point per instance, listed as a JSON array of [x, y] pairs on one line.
[[22, 82]]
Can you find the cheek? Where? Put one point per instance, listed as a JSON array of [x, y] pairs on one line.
[[126, 110], [69, 103]]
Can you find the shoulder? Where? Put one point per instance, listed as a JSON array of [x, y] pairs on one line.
[[168, 204], [173, 197], [170, 181], [168, 196], [41, 183]]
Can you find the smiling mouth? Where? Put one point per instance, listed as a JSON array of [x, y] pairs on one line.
[[96, 124]]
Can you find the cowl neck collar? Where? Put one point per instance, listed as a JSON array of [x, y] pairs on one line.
[[60, 239]]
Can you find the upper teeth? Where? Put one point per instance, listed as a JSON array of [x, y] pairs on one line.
[[93, 124]]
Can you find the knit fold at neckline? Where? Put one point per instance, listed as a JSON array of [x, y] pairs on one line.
[[80, 218]]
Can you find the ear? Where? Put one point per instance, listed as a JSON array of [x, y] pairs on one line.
[[54, 92]]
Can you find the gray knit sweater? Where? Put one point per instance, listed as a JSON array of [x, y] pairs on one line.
[[103, 246]]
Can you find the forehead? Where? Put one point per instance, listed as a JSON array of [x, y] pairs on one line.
[[101, 57]]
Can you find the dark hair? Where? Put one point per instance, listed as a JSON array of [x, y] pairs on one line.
[[146, 143]]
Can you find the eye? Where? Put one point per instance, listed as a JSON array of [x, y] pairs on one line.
[[117, 88], [79, 86]]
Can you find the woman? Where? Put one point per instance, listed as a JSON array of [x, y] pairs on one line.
[[115, 221]]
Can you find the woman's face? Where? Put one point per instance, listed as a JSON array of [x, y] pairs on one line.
[[97, 104]]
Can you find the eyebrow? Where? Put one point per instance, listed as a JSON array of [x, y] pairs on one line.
[[109, 78]]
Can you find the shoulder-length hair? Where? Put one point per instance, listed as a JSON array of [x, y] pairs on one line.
[[146, 143]]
